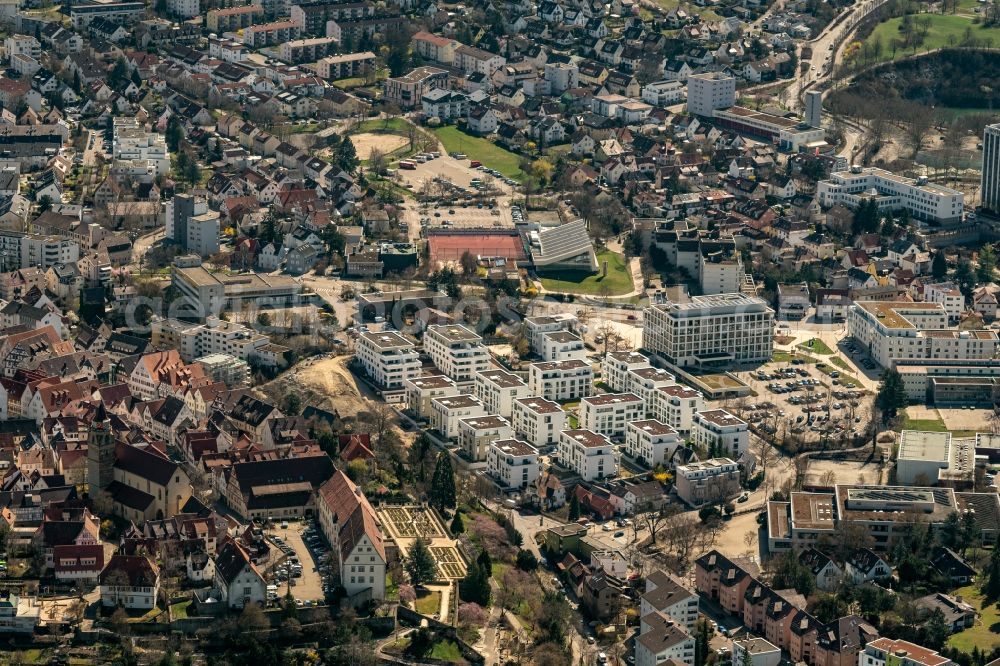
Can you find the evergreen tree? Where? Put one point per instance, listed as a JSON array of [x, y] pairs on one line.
[[442, 491], [965, 276], [346, 157], [951, 530], [987, 264], [574, 508], [119, 74], [475, 586], [891, 394], [939, 266], [457, 524], [136, 79], [173, 133], [420, 564], [991, 585]]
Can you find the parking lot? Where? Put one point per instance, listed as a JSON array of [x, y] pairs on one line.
[[308, 579], [797, 397]]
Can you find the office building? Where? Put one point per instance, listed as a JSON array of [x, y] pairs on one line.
[[513, 464], [710, 91], [708, 331], [388, 358], [203, 292], [934, 458], [587, 453], [990, 179], [456, 351], [903, 332], [922, 199]]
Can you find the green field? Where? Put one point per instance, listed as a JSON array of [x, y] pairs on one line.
[[618, 280], [392, 125], [927, 425], [817, 346], [478, 148], [428, 602], [983, 635], [945, 30]]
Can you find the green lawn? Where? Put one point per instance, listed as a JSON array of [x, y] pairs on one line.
[[179, 611], [927, 425], [478, 148], [428, 602], [618, 280], [788, 357], [446, 651], [817, 346], [945, 30], [842, 364], [984, 634]]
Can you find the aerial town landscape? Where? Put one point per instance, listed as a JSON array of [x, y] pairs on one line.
[[493, 332]]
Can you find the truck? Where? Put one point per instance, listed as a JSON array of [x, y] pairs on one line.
[[408, 165], [475, 163]]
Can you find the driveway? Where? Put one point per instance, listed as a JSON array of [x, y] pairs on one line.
[[310, 585]]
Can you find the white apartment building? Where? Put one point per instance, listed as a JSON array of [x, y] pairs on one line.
[[616, 365], [900, 331], [710, 91], [720, 433], [131, 141], [650, 443], [448, 411], [756, 652], [587, 453], [476, 433], [215, 336], [711, 330], [421, 390], [513, 464], [387, 358], [561, 380], [456, 351], [666, 594], [538, 421], [610, 413], [184, 9], [664, 93], [924, 200], [662, 639], [644, 381], [893, 652], [498, 389], [562, 346], [949, 296], [707, 481], [676, 406], [25, 45], [536, 327]]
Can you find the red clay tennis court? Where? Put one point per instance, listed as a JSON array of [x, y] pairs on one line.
[[446, 247]]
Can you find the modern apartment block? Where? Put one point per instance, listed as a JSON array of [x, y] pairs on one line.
[[643, 382], [345, 65], [949, 296], [387, 358], [408, 90], [538, 421], [720, 433], [536, 327], [587, 453], [924, 200], [707, 331], [513, 464], [421, 390], [610, 413], [456, 351], [616, 365], [215, 336], [562, 346], [700, 483], [498, 389], [893, 332], [561, 380], [676, 406], [477, 432], [448, 411], [710, 91], [651, 443]]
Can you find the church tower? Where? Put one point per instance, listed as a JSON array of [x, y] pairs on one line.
[[100, 453]]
